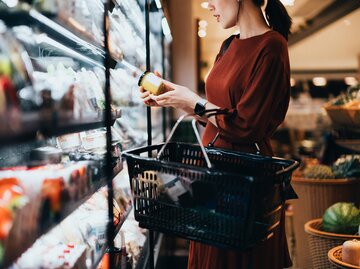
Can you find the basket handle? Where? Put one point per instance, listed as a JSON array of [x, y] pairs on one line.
[[290, 168], [193, 123]]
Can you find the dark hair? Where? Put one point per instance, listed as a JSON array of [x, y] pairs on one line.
[[277, 16]]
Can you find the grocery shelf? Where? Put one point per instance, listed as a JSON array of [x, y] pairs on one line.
[[120, 224], [117, 230], [56, 28], [128, 66], [28, 236], [19, 128], [25, 127], [66, 123]]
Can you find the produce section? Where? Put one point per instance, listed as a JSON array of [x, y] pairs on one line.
[[327, 181]]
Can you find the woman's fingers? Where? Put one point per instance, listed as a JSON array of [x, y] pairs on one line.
[[157, 74], [151, 103], [141, 89], [163, 99], [144, 94], [170, 85]]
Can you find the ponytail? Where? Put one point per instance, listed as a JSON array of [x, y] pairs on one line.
[[277, 17]]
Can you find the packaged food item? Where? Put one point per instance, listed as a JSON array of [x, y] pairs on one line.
[[69, 142], [52, 190], [150, 82], [6, 222], [95, 141], [174, 189], [46, 155]]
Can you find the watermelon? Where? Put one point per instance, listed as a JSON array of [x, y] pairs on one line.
[[341, 218]]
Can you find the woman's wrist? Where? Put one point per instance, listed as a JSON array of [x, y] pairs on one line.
[[193, 101]]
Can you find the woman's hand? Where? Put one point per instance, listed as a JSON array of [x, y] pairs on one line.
[[146, 96], [178, 97], [175, 96]]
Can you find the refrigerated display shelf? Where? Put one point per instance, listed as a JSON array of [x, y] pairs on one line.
[[117, 230], [16, 130], [26, 127], [61, 32], [17, 248], [64, 124]]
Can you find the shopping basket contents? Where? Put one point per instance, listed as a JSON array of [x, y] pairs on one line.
[[215, 196]]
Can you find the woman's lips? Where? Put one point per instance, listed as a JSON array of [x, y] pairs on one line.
[[217, 17]]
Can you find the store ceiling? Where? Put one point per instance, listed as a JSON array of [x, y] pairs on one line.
[[336, 46]]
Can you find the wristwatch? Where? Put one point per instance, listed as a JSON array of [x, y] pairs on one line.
[[200, 107]]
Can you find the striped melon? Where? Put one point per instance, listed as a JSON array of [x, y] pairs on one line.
[[341, 218]]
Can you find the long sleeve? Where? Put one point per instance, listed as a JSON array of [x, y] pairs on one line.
[[263, 104]]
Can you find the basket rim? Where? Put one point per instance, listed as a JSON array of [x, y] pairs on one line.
[[333, 107], [310, 181], [352, 108], [135, 154], [337, 262], [312, 231]]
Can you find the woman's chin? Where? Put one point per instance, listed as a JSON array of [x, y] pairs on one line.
[[227, 25]]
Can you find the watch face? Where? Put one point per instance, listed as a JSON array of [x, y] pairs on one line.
[[199, 109]]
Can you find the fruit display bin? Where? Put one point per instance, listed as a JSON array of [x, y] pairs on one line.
[[335, 257], [321, 242]]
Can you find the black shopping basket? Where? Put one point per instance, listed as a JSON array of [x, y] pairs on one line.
[[235, 200]]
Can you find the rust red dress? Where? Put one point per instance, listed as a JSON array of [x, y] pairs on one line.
[[252, 80]]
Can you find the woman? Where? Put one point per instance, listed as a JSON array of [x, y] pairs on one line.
[[251, 79]]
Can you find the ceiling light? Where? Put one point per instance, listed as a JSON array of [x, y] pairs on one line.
[[351, 81], [203, 24], [202, 33], [165, 27], [11, 3], [292, 82], [205, 4], [319, 81], [288, 2]]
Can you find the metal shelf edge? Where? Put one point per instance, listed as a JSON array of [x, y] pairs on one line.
[[51, 126]]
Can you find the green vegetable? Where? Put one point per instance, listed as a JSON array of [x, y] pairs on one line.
[[352, 93], [341, 218], [347, 166], [318, 171], [341, 100]]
